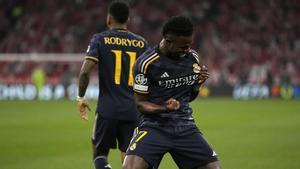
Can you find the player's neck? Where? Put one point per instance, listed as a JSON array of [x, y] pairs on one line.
[[118, 26]]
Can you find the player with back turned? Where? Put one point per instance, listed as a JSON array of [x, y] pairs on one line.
[[167, 78], [115, 52]]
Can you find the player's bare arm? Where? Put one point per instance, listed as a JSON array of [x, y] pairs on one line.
[[147, 107], [84, 78]]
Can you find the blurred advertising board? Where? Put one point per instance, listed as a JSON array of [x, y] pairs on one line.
[[60, 91]]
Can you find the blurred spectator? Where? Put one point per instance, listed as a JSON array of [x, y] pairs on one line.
[[250, 41], [38, 78]]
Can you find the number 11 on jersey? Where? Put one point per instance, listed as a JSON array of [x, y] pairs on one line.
[[118, 66]]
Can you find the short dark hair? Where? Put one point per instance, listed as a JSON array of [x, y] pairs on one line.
[[119, 10], [178, 26]]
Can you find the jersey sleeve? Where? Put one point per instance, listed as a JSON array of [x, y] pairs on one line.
[[141, 81], [93, 51], [196, 56]]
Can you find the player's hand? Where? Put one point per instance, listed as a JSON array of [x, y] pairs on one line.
[[172, 104], [82, 106], [203, 74]]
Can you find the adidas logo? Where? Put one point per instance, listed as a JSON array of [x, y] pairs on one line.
[[164, 75]]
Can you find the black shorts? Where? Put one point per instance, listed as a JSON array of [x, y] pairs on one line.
[[107, 132], [189, 151]]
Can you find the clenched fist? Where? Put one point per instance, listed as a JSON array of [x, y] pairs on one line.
[[172, 104], [203, 74]]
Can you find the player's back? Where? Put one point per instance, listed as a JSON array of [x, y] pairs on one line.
[[117, 52]]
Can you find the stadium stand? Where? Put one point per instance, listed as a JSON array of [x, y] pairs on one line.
[[250, 41]]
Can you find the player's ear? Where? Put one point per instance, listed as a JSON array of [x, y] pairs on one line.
[[108, 20]]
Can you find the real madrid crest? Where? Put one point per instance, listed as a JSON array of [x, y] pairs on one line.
[[196, 68]]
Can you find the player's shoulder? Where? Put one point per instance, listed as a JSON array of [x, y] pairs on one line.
[[148, 57], [105, 33], [194, 55], [148, 54], [98, 36], [137, 36]]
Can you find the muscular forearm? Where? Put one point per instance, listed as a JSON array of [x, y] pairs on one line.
[[146, 107], [83, 83]]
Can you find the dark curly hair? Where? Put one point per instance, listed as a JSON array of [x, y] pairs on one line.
[[119, 10], [179, 26]]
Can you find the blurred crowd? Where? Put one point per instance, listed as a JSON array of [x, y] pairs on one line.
[[249, 41]]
